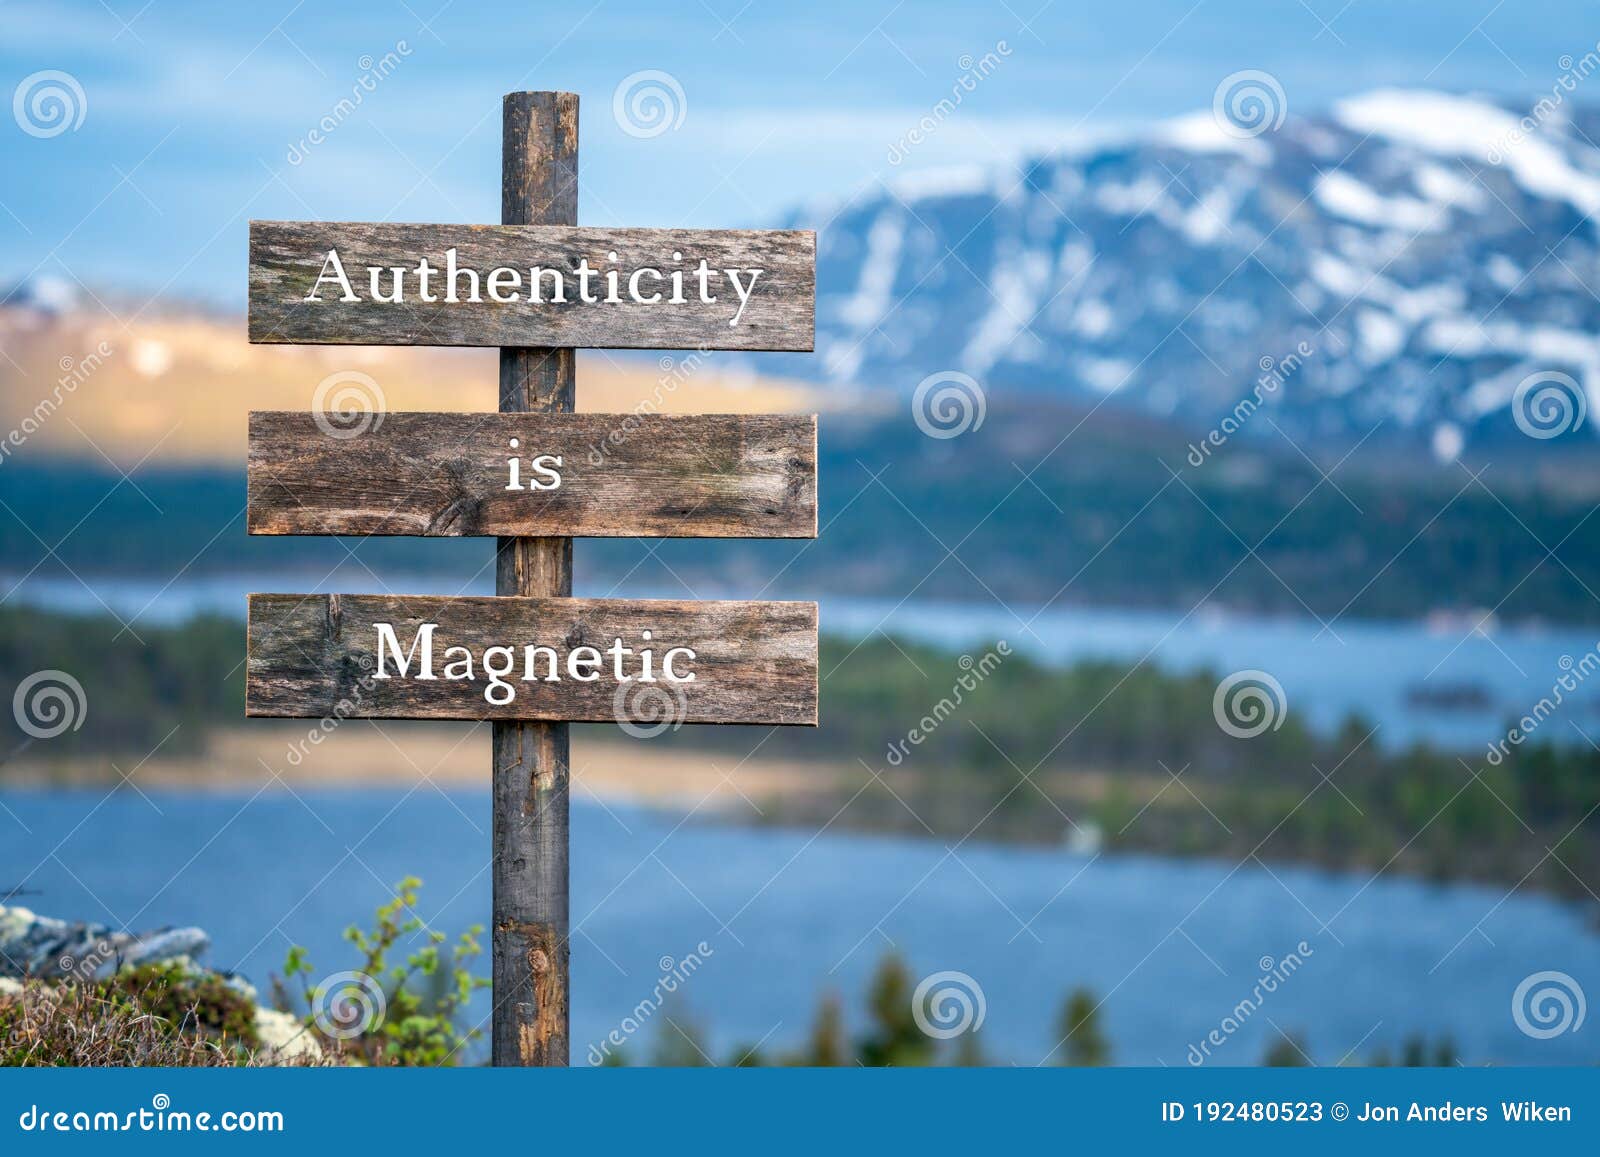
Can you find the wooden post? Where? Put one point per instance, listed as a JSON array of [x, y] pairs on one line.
[[538, 186]]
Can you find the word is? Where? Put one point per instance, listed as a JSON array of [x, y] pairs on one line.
[[548, 478]]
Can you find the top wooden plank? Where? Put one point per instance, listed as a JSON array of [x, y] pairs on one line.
[[336, 283]]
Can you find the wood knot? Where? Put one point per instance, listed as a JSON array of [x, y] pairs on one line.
[[538, 961]]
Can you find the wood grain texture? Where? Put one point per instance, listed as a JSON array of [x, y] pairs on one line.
[[622, 475], [531, 761], [286, 258], [316, 656]]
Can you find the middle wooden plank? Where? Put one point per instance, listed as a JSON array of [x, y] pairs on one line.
[[541, 475]]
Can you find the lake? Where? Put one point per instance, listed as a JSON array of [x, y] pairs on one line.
[[1442, 681], [1171, 946]]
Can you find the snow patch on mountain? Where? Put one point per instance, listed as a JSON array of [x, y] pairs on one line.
[[1433, 249]]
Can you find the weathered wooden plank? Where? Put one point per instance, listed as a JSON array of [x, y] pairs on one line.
[[319, 281], [595, 475], [708, 661]]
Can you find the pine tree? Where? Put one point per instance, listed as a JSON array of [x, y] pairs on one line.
[[1083, 1042], [826, 1048], [1414, 1052], [894, 1038], [679, 1044], [1287, 1052], [969, 1051], [747, 1056]]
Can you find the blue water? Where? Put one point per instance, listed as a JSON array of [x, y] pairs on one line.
[[1172, 946]]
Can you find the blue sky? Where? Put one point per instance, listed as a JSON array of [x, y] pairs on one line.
[[191, 110]]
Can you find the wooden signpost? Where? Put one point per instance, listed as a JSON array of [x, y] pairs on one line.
[[579, 475], [337, 283], [533, 475], [417, 657]]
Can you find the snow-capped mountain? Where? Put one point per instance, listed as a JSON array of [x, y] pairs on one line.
[[1431, 250]]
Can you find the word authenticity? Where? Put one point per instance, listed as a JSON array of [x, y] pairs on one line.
[[450, 282]]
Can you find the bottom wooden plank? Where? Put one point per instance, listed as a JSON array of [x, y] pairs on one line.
[[643, 663]]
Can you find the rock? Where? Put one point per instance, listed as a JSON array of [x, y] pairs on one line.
[[34, 945], [285, 1037]]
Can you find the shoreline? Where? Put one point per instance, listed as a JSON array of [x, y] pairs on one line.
[[277, 756]]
